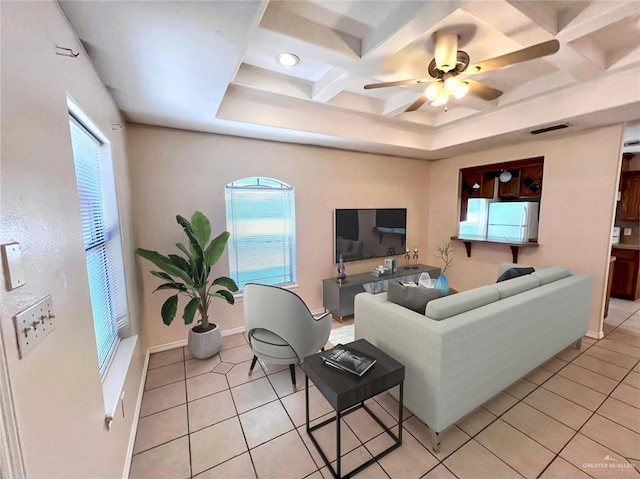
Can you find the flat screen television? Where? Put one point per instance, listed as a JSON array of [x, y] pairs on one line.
[[369, 233]]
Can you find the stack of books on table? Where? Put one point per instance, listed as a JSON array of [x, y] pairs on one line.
[[380, 271], [347, 359]]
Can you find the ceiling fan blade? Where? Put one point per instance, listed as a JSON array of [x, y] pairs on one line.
[[417, 104], [482, 91], [529, 53], [415, 81]]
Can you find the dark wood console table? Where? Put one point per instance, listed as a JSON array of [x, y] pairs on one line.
[[338, 298]]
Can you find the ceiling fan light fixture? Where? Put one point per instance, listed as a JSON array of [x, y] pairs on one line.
[[451, 84], [434, 90], [440, 100], [461, 90], [287, 59]]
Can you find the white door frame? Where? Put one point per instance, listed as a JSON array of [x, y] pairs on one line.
[[11, 461]]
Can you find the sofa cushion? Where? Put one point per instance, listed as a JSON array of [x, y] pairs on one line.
[[514, 273], [453, 304], [549, 275], [515, 286], [414, 298]]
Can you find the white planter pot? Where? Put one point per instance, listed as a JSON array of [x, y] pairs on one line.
[[203, 345]]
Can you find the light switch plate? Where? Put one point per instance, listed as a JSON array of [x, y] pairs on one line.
[[33, 325], [627, 232], [13, 261]]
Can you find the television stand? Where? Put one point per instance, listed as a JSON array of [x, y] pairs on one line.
[[339, 298]]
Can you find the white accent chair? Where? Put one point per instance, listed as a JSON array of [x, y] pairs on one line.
[[280, 327]]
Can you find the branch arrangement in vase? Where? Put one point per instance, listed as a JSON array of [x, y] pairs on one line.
[[444, 252]]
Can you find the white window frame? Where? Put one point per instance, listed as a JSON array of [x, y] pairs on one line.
[[114, 372], [260, 184]]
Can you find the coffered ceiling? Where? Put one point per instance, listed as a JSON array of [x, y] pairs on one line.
[[211, 66]]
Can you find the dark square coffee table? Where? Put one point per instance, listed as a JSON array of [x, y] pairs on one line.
[[347, 393]]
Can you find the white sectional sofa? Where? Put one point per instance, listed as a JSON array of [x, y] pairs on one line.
[[469, 346]]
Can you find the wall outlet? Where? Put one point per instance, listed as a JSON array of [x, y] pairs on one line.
[[627, 231]]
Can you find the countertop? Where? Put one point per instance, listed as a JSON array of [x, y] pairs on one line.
[[631, 246]]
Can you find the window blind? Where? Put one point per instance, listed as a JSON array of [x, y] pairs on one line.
[[102, 244], [261, 220]]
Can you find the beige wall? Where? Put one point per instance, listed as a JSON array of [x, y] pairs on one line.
[[56, 388], [176, 172], [576, 215]]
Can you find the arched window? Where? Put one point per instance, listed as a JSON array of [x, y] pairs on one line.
[[261, 220]]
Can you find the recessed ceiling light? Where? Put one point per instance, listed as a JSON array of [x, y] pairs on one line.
[[287, 59]]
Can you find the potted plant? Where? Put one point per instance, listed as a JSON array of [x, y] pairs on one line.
[[444, 253], [188, 275]]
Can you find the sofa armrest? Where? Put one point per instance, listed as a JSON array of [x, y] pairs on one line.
[[407, 336]]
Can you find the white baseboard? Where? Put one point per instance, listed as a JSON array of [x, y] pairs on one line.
[[594, 335], [183, 342], [136, 418], [166, 347], [231, 332]]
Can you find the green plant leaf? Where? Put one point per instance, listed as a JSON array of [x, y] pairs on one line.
[[175, 286], [161, 275], [224, 294], [190, 310], [201, 228], [181, 263], [227, 282], [165, 264], [188, 229], [169, 309], [215, 248], [184, 249]]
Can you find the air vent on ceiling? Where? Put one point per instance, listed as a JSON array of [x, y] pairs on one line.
[[546, 129], [632, 143]]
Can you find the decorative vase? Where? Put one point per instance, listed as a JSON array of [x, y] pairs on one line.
[[342, 273], [202, 343], [442, 284]]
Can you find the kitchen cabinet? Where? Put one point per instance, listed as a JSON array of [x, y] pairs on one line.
[[511, 188], [625, 282], [629, 206], [474, 184], [531, 181], [479, 182]]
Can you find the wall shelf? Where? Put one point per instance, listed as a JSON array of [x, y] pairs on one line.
[[513, 245]]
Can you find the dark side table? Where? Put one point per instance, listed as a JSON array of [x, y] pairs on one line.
[[347, 393]]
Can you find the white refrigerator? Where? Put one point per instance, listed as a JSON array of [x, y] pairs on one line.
[[517, 221], [475, 226]]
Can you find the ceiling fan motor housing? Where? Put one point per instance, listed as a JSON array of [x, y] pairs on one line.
[[446, 51]]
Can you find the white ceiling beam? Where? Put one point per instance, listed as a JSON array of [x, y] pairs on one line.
[[266, 80], [246, 105], [583, 99], [542, 13], [278, 19], [410, 21], [329, 85], [594, 16], [525, 24]]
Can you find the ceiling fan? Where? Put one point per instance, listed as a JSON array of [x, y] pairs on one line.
[[449, 62]]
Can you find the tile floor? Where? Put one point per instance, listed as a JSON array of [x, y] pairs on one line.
[[577, 416]]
